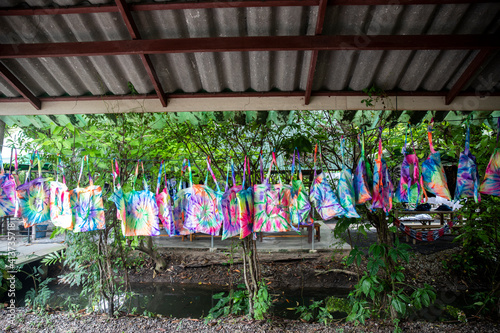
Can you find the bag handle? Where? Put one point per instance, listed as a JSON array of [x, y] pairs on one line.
[[227, 176], [209, 168], [13, 152], [61, 166], [158, 182], [85, 158], [144, 183], [32, 160], [342, 148], [298, 165], [430, 129], [186, 164], [380, 143], [271, 166], [115, 172], [261, 162]]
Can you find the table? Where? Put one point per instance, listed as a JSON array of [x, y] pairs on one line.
[[441, 214]]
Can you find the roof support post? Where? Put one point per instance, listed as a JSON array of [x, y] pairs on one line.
[[146, 60], [21, 88]]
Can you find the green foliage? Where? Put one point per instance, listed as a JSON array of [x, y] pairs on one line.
[[261, 301], [53, 258], [38, 297], [6, 265], [455, 313], [377, 291], [314, 312], [235, 302]]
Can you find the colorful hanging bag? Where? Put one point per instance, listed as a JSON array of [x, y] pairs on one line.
[[363, 177], [141, 210], [8, 182], [491, 182], [231, 226], [164, 203], [322, 195], [34, 197], [300, 207], [467, 174], [345, 189], [382, 185], [60, 207], [244, 198], [206, 203], [411, 184], [182, 202], [87, 205], [433, 171], [271, 204]]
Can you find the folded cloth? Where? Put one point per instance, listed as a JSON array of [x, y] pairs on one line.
[[423, 207], [444, 208]]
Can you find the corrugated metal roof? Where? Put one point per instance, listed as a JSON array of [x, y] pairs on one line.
[[249, 71]]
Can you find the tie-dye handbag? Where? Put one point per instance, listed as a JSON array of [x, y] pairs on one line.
[[244, 198], [87, 205], [182, 202], [8, 182], [491, 182], [60, 207], [411, 185], [206, 205], [345, 188], [231, 226], [363, 177], [272, 204], [467, 174], [141, 210], [382, 185], [433, 171], [164, 203], [34, 197], [300, 207], [322, 195]]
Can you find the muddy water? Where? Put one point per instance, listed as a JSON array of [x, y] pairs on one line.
[[189, 301]]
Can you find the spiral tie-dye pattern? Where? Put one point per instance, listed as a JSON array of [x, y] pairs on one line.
[[322, 195], [382, 185], [345, 189], [300, 207], [491, 182], [467, 174], [433, 171]]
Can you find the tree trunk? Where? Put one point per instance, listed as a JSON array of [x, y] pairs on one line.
[[160, 262], [251, 271]]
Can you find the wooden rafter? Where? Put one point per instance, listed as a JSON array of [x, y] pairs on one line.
[[467, 75], [314, 55], [256, 43], [21, 88], [146, 60]]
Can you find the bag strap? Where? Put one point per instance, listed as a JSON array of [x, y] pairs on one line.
[[467, 138], [2, 171], [261, 161], [61, 166], [227, 176], [271, 166], [342, 148], [430, 129], [84, 158], [498, 131], [212, 173], [144, 183], [380, 143], [244, 172], [293, 166], [158, 181], [115, 172], [186, 165]]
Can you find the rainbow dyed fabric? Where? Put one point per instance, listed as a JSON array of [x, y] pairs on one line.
[[34, 201], [207, 216], [165, 209], [382, 185], [8, 197], [271, 207], [324, 199], [88, 208], [182, 210], [411, 186], [300, 207], [434, 176], [467, 174], [245, 211], [60, 207], [345, 192], [362, 179], [230, 208], [491, 182], [140, 211]]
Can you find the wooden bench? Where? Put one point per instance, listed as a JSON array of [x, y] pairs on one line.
[[317, 229]]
